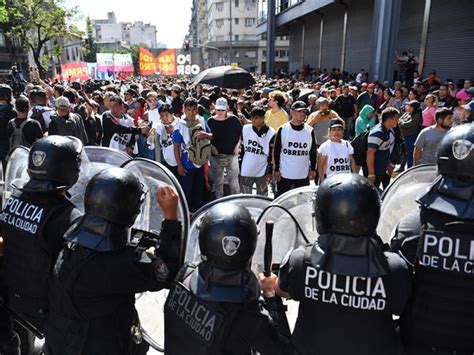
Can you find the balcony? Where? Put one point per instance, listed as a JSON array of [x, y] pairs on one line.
[[287, 11]]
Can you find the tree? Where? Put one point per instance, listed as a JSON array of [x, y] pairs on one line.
[[36, 22], [90, 49], [3, 12]]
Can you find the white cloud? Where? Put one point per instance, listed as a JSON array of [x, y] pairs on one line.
[[171, 17]]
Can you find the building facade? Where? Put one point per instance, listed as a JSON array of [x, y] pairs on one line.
[[225, 31], [109, 33], [355, 34]]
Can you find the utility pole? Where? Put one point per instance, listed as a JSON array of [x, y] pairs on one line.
[[230, 31], [270, 69]]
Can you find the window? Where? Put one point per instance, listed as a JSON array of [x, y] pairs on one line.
[[236, 54], [249, 22], [219, 23], [219, 6], [250, 54], [2, 39], [67, 56], [236, 3], [264, 53], [236, 20], [236, 37]]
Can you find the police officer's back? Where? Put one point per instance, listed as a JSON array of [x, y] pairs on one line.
[[348, 286], [34, 221], [98, 273], [214, 307], [440, 315]]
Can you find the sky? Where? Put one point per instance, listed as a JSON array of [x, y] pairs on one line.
[[171, 17]]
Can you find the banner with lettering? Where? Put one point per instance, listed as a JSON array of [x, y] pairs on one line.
[[74, 71], [114, 65], [163, 64]]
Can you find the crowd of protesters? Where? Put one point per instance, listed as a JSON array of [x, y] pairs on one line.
[[281, 132]]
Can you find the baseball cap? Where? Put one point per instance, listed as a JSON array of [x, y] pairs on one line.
[[176, 87], [371, 86], [469, 106], [266, 90], [299, 106], [62, 102], [221, 104], [462, 95], [470, 91], [363, 84], [336, 122]]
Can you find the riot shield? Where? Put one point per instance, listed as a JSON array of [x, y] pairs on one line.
[[2, 184], [399, 197], [255, 204], [150, 305], [16, 174], [94, 160], [288, 232]]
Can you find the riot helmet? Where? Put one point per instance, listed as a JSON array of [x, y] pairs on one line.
[[115, 195], [54, 162], [228, 236], [347, 204], [456, 153]]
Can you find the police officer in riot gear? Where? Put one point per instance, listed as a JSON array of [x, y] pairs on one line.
[[33, 223], [214, 307], [347, 284], [439, 318], [98, 273]]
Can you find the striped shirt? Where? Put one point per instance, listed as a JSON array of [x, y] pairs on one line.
[[379, 139]]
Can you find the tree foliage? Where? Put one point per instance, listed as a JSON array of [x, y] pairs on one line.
[[3, 11], [36, 22], [90, 48]]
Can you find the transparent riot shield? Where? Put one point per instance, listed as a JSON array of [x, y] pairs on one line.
[[16, 174], [399, 197], [2, 184], [254, 203], [94, 160], [150, 305], [287, 232]]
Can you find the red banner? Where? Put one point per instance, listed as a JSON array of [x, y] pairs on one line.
[[163, 64], [74, 71]]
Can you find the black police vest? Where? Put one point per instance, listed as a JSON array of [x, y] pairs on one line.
[[442, 312], [203, 324], [345, 314], [27, 259]]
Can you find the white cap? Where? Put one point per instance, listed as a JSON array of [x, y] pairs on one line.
[[221, 104]]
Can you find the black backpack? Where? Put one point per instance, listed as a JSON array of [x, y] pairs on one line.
[[37, 114], [359, 144]]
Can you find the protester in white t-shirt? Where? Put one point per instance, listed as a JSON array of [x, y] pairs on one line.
[[257, 141], [336, 155], [164, 133]]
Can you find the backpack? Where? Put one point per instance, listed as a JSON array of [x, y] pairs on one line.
[[37, 114], [66, 127], [359, 144], [199, 150], [18, 137]]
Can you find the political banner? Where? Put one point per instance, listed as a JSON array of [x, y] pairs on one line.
[[74, 71], [114, 65], [147, 63], [167, 63], [92, 70]]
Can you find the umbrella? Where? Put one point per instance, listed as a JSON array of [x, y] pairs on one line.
[[304, 94], [225, 76]]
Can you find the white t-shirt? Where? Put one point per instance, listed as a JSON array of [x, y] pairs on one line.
[[166, 144], [338, 156], [256, 150], [295, 148], [154, 117]]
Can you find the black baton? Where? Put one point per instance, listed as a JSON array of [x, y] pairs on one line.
[[21, 321], [267, 253]]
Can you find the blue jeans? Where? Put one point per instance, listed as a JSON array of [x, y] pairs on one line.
[[410, 145], [193, 186]]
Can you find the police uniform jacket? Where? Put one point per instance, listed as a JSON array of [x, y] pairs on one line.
[[348, 288]]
